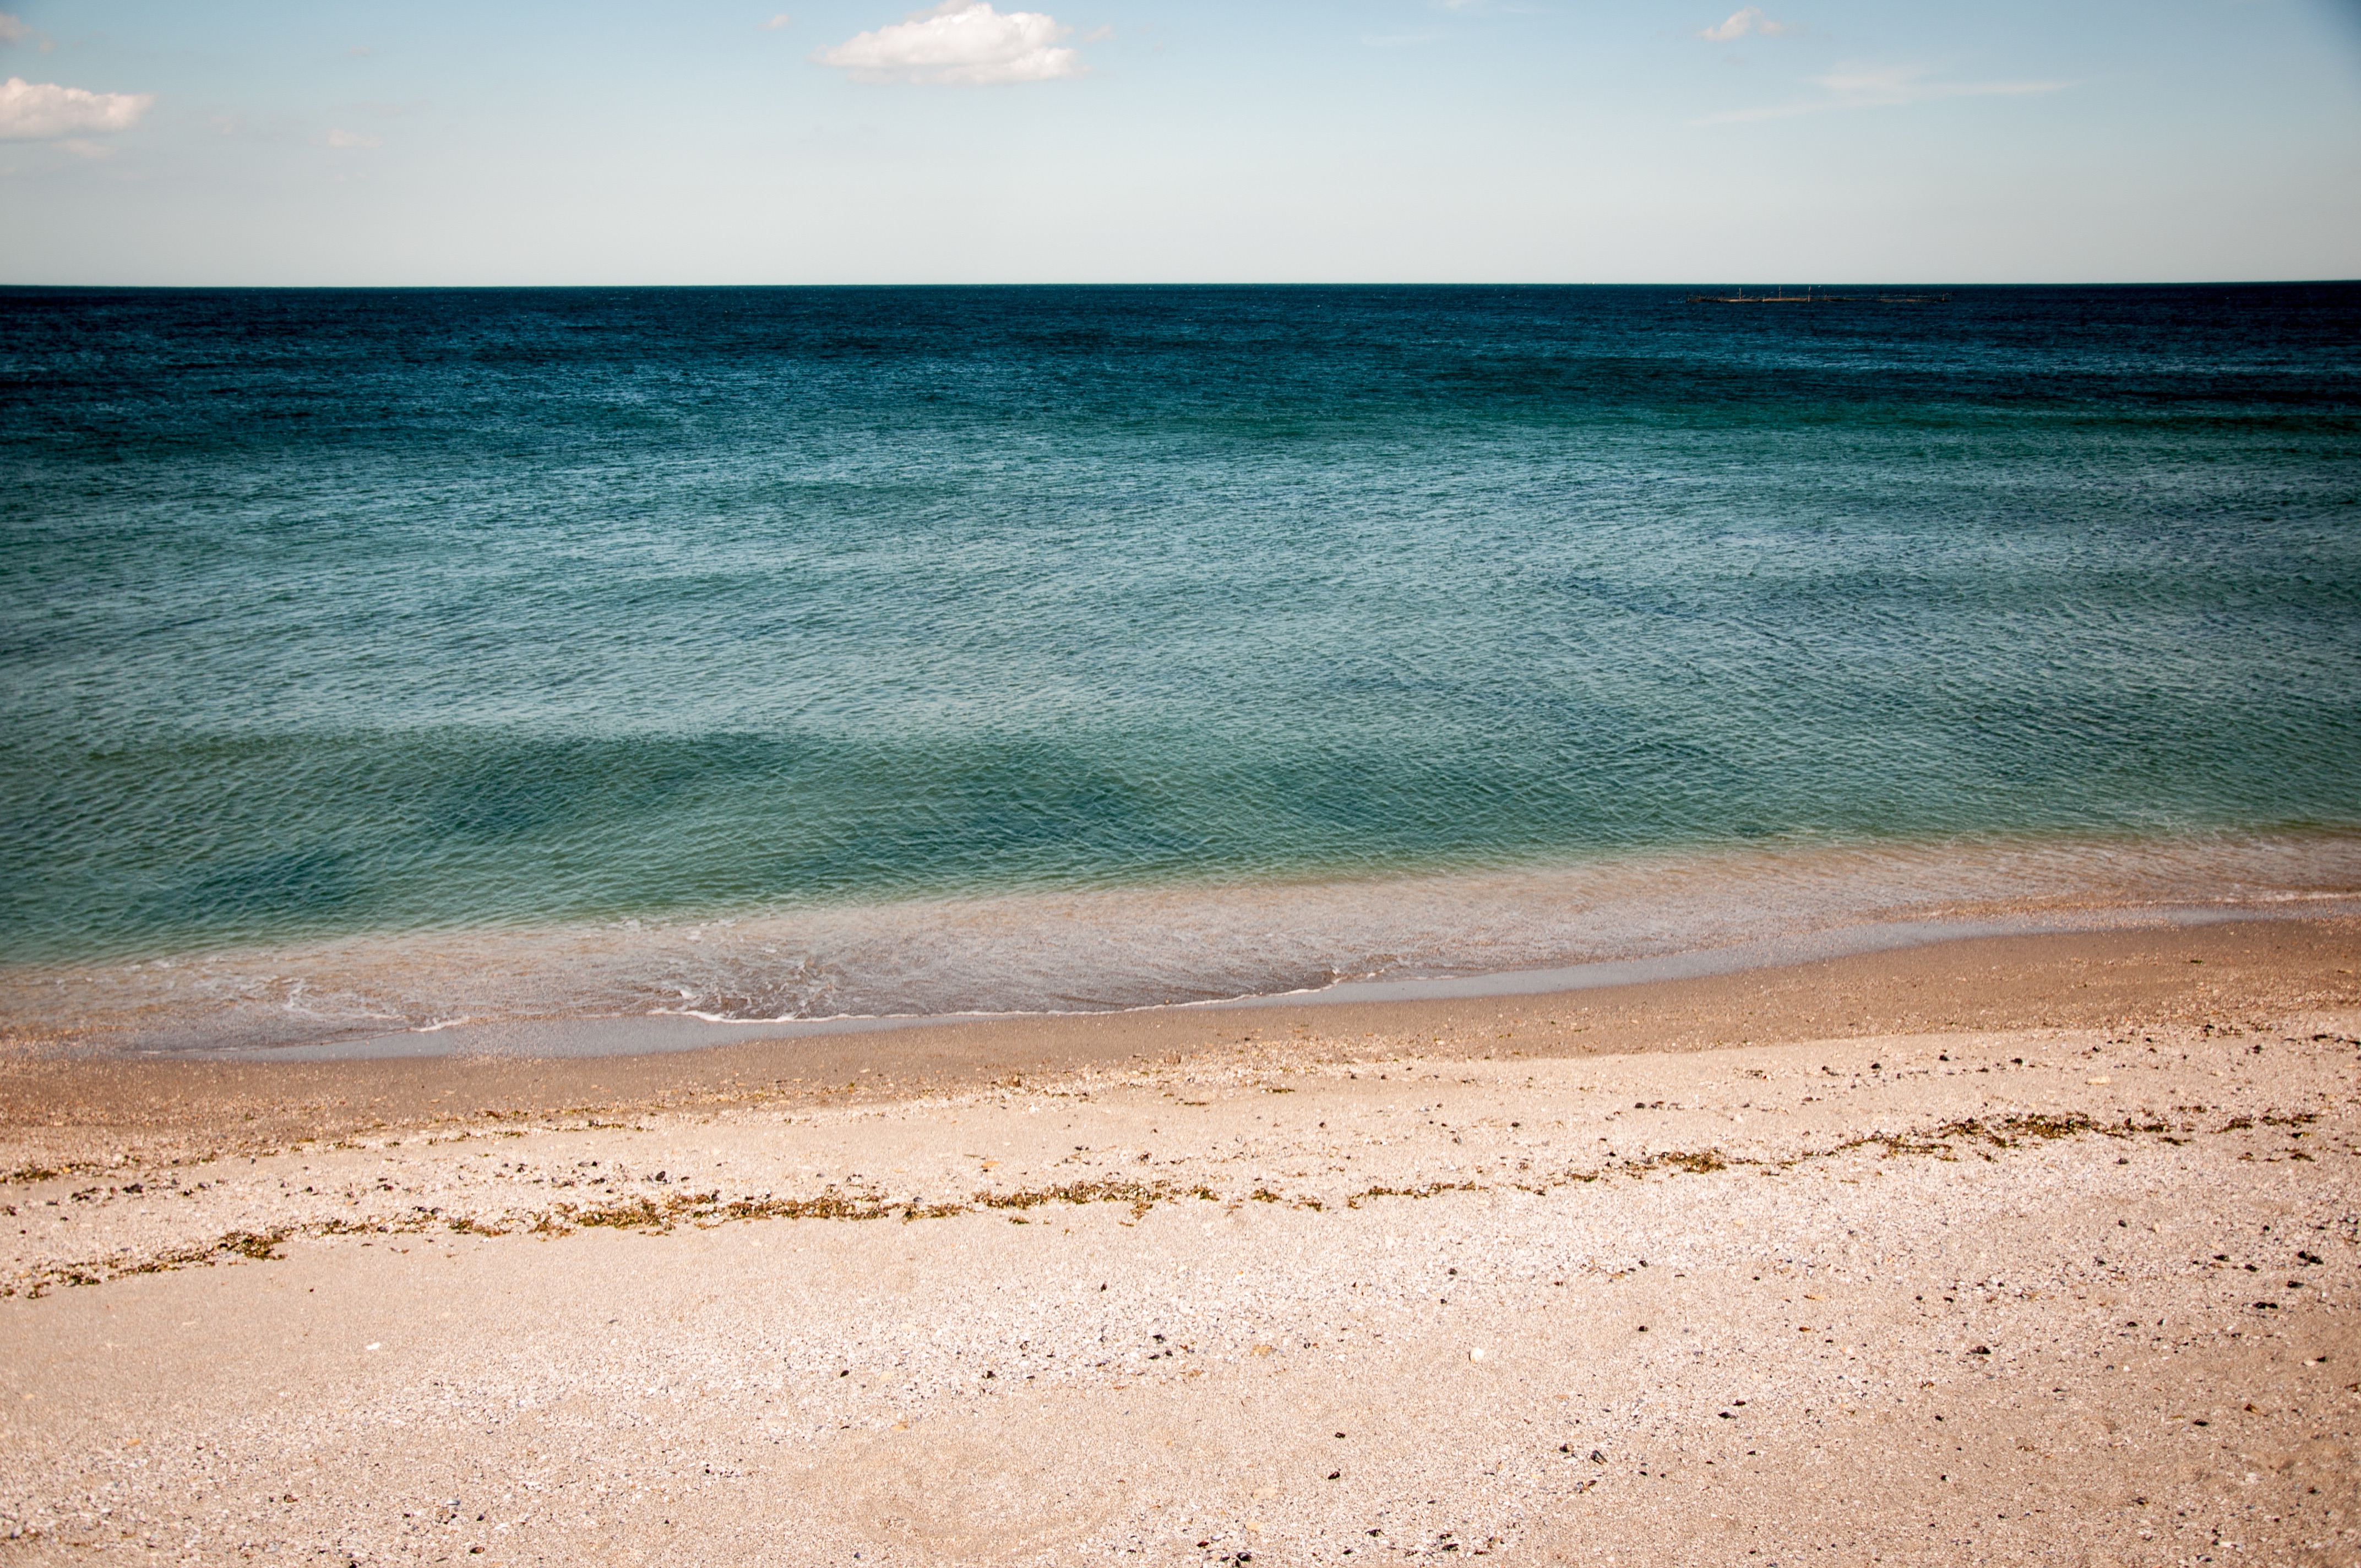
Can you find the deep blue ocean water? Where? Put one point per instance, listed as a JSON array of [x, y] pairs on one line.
[[348, 617]]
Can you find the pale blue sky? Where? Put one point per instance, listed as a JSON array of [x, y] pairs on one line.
[[1336, 140]]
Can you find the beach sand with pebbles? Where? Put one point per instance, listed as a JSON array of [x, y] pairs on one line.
[[2032, 1249]]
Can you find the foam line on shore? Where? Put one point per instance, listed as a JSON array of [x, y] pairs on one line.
[[661, 1033]]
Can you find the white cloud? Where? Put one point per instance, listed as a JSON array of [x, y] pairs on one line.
[[960, 42], [353, 139], [40, 111], [1883, 87], [1749, 20], [775, 22]]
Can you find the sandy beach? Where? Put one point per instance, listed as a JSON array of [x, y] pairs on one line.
[[2030, 1249]]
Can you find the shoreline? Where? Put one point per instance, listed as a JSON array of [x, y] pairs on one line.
[[664, 1031], [1536, 928], [2073, 979]]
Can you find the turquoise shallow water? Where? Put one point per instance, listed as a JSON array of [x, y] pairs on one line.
[[377, 617]]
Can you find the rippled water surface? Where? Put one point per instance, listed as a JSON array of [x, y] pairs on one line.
[[331, 617]]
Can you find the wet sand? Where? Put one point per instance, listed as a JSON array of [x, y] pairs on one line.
[[66, 1110], [2033, 1249]]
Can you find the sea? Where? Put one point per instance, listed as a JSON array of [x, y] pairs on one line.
[[377, 662]]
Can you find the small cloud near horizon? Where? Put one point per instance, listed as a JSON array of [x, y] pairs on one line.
[[45, 111], [775, 22], [963, 43], [1883, 87], [1751, 19], [343, 139]]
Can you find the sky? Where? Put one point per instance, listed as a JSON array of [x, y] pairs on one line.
[[855, 141]]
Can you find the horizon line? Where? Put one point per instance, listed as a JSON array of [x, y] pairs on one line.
[[1473, 283]]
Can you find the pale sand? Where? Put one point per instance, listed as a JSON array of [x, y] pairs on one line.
[[1983, 1280]]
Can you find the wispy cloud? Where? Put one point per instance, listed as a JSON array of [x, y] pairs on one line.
[[1396, 40], [959, 43], [43, 111], [1883, 87], [775, 22], [342, 138], [14, 30], [1739, 23]]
